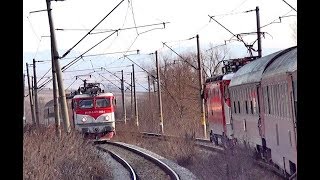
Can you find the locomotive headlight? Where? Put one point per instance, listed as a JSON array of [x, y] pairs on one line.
[[84, 119], [106, 118]]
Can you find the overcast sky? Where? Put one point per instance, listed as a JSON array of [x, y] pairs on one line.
[[187, 18]]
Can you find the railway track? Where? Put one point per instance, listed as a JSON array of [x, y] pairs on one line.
[[208, 145], [139, 164]]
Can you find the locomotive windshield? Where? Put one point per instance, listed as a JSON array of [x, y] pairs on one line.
[[87, 103], [103, 103]]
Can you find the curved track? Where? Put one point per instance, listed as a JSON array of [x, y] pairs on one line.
[[144, 165]]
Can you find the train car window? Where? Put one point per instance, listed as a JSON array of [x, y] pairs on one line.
[[86, 103], [264, 93], [283, 100], [277, 134], [290, 141], [295, 96], [103, 102], [268, 100], [277, 100], [253, 101], [245, 94], [286, 99], [246, 102], [272, 100], [285, 86]]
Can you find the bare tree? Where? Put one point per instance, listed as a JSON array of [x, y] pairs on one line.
[[212, 57]]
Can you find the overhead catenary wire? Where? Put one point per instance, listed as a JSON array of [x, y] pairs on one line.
[[113, 74], [142, 86], [289, 5], [180, 56], [79, 57], [112, 30], [44, 75], [68, 51], [110, 81], [134, 20], [71, 84], [140, 67], [34, 32], [232, 13], [99, 54], [279, 18], [211, 17]]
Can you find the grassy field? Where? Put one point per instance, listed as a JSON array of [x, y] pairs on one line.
[[70, 157]]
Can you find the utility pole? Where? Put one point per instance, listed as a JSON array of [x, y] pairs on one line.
[[30, 97], [123, 99], [203, 120], [150, 103], [62, 94], [149, 89], [258, 32], [159, 94], [154, 85], [135, 97], [24, 109], [35, 90], [55, 97], [131, 96]]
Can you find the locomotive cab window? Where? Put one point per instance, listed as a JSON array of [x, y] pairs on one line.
[[87, 103], [103, 102]]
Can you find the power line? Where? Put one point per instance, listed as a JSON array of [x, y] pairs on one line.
[[71, 83], [279, 18], [91, 30], [180, 56], [140, 67], [79, 57], [112, 30], [232, 13], [289, 5], [34, 32], [239, 5], [234, 35], [109, 81], [113, 74], [100, 54], [141, 85], [134, 20], [44, 75], [38, 48]]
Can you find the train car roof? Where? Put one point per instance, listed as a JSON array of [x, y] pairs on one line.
[[87, 95], [252, 72], [287, 63], [220, 77]]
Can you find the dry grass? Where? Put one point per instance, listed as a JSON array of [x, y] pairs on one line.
[[180, 150], [237, 163], [71, 157]]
